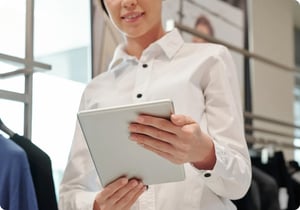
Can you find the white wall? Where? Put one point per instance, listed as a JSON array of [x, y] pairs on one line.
[[271, 32]]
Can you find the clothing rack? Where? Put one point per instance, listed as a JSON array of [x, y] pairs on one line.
[[12, 59], [259, 140], [251, 116], [29, 66], [40, 171]]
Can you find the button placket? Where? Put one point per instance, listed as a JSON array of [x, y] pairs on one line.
[[142, 80]]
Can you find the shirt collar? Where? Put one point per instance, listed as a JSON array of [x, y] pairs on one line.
[[169, 44]]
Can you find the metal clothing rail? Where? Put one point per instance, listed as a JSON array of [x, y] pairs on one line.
[[13, 59], [275, 133], [249, 115], [13, 96], [232, 47], [253, 140], [273, 121], [22, 71], [13, 73]]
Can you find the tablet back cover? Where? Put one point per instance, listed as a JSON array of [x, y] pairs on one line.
[[115, 155]]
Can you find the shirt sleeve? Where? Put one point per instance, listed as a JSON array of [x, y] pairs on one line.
[[80, 182], [231, 175]]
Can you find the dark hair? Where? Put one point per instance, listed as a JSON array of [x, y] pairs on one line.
[[205, 21], [103, 6]]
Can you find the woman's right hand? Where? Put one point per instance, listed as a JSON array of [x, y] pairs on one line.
[[119, 195]]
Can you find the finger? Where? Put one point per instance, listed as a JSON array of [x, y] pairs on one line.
[[167, 155], [140, 132], [181, 120], [131, 197], [157, 122], [112, 188], [122, 192], [158, 144]]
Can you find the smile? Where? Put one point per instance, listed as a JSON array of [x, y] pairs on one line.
[[132, 16]]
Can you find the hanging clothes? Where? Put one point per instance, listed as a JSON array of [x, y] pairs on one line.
[[251, 200], [16, 185], [294, 171], [276, 167], [268, 189], [40, 168], [41, 171], [262, 194]]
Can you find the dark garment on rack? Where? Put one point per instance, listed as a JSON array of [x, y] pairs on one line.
[[295, 176], [296, 191], [16, 186], [262, 194], [276, 167], [41, 170], [251, 201], [268, 189]]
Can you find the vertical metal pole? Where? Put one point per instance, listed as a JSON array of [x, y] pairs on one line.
[[180, 12], [247, 68], [29, 67]]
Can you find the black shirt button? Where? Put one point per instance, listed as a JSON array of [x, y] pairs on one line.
[[207, 175], [145, 65], [139, 95]]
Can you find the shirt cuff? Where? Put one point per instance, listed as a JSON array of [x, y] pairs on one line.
[[88, 199], [81, 200], [218, 167]]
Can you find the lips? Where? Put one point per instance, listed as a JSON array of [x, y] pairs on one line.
[[132, 16]]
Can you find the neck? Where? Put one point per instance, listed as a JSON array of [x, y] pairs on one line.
[[136, 45]]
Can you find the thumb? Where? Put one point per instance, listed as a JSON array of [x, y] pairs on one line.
[[181, 120]]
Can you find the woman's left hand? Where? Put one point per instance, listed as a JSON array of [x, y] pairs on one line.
[[179, 140]]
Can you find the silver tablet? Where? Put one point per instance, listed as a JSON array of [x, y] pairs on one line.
[[115, 155]]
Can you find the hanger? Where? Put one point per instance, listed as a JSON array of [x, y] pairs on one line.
[[5, 129], [262, 148]]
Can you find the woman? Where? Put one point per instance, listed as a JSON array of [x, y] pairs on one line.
[[206, 133]]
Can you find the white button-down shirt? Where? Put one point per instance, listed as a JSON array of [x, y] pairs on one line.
[[201, 79]]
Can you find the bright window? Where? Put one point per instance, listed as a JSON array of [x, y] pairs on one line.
[[61, 39]]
